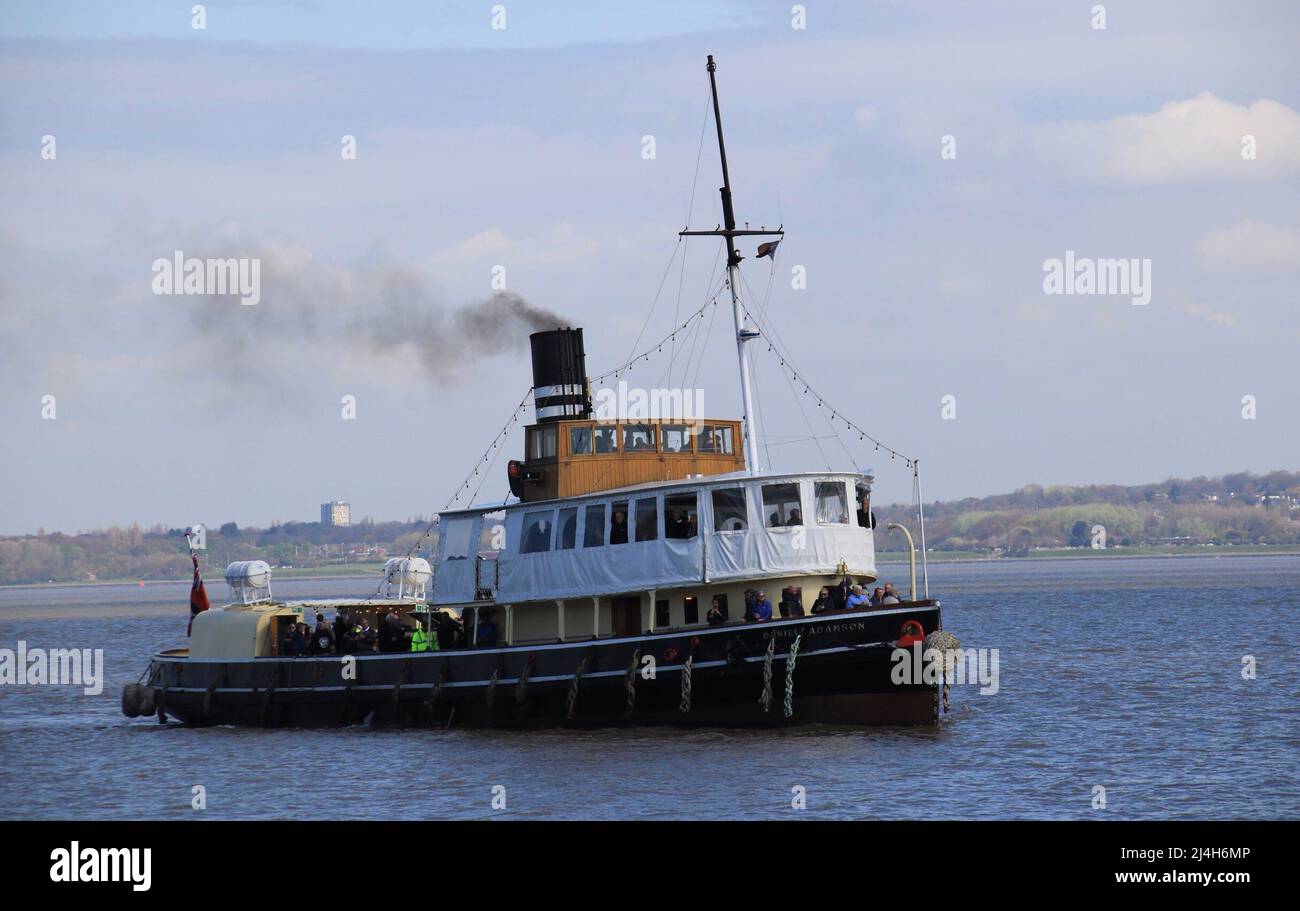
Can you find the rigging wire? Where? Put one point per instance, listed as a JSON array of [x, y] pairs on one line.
[[690, 211], [478, 470], [777, 347], [654, 303]]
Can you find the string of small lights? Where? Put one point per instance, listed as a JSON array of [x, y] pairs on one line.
[[787, 366], [658, 347], [479, 469]]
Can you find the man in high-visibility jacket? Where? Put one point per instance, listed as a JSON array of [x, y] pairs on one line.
[[419, 640]]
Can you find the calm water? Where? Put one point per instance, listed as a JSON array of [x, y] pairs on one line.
[[1121, 673]]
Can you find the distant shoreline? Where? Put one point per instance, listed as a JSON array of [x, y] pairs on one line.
[[373, 570]]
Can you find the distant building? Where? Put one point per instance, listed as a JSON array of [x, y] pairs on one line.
[[336, 513]]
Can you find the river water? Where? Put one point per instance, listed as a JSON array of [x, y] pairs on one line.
[[1123, 674]]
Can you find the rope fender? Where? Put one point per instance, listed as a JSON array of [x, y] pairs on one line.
[[789, 677], [571, 702], [631, 680], [212, 686], [436, 690], [491, 692], [765, 698], [521, 688], [685, 706], [947, 645]]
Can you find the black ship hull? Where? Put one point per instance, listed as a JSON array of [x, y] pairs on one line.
[[737, 675]]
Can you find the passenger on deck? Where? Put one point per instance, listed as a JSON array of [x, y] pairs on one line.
[[840, 594], [618, 528], [678, 527], [392, 637], [891, 596], [774, 520], [823, 602], [715, 616], [342, 623], [487, 629], [322, 641], [294, 641], [692, 526], [761, 611], [419, 639], [795, 518], [857, 599], [876, 596], [866, 518], [365, 635], [791, 602], [448, 631], [346, 642]]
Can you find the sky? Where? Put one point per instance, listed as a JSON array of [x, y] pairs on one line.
[[928, 161]]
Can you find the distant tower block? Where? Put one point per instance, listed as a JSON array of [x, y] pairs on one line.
[[337, 513]]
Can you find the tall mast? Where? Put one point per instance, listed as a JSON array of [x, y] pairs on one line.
[[743, 333]]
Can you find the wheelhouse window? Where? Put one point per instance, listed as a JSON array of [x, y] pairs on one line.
[[716, 438], [647, 519], [781, 505], [593, 534], [676, 437], [681, 516], [606, 439], [541, 442], [638, 438], [618, 523], [568, 528], [832, 503], [580, 440], [537, 532], [729, 509]]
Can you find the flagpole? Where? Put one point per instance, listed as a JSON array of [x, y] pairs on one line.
[[198, 594]]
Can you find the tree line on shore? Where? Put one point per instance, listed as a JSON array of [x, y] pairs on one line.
[[1235, 509]]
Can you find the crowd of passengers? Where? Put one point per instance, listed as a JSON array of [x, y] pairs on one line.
[[353, 635], [845, 596]]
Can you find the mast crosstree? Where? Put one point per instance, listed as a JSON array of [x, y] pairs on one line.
[[728, 229]]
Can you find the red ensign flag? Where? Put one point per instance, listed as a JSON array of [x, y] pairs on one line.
[[198, 594]]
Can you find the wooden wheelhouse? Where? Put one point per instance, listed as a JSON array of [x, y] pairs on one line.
[[573, 457]]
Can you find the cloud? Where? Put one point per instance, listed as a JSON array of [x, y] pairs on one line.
[[1251, 245], [1197, 139], [1208, 314]]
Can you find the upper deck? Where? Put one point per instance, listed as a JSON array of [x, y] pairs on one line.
[[661, 534]]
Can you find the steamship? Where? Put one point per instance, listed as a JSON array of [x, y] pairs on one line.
[[611, 587]]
